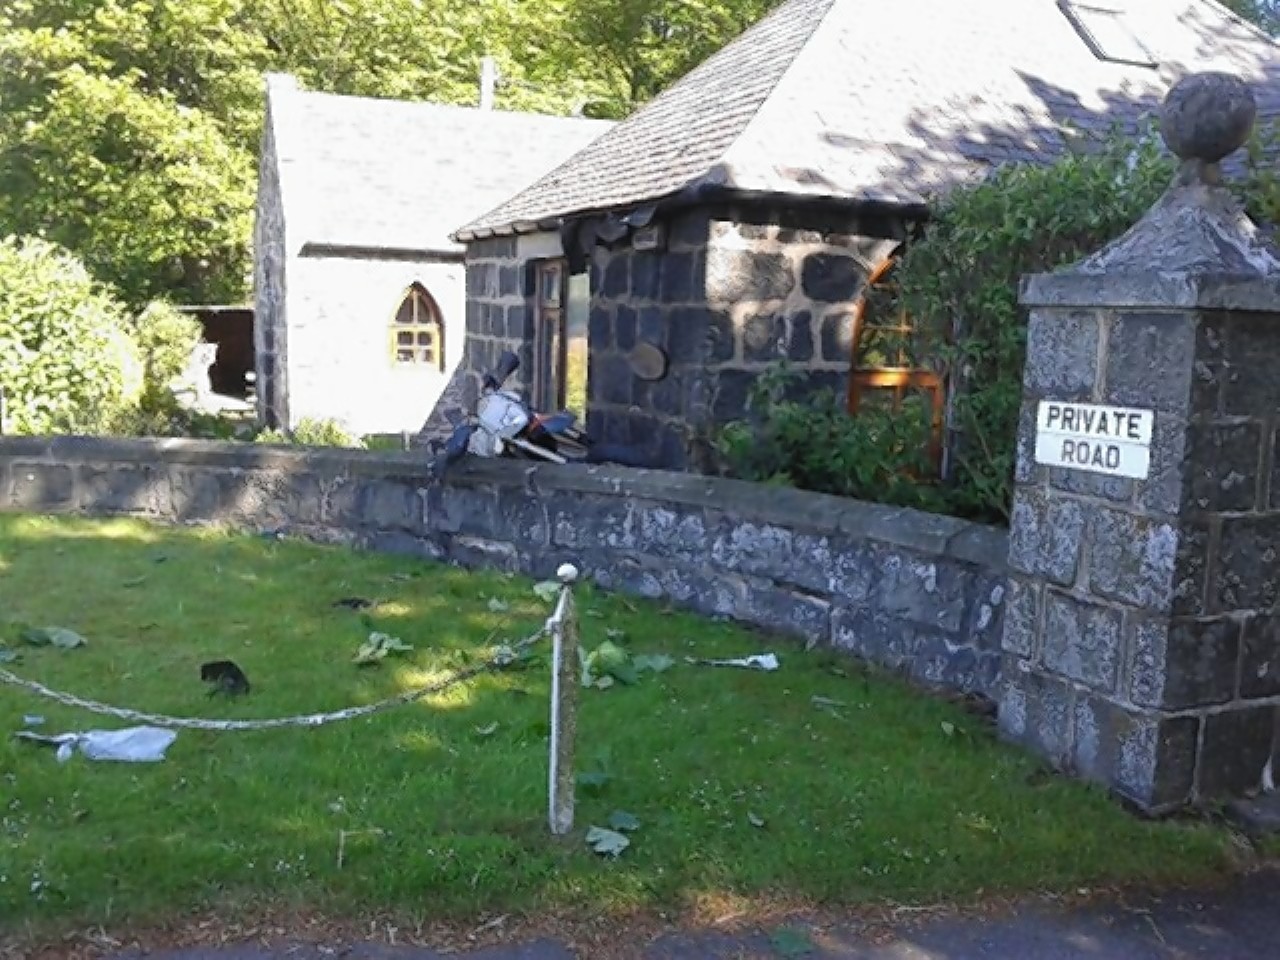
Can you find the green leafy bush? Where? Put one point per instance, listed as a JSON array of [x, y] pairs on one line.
[[960, 282], [312, 433], [1260, 186], [166, 338], [804, 439], [161, 415], [68, 362]]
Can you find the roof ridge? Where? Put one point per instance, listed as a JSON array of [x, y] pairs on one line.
[[299, 92]]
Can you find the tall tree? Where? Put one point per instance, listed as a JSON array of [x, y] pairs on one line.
[[126, 136], [129, 129], [638, 47], [1264, 13]]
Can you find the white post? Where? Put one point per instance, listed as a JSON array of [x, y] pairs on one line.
[[488, 82], [564, 704]]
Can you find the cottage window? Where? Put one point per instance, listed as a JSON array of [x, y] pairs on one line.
[[559, 379], [885, 367], [1108, 32], [417, 332]]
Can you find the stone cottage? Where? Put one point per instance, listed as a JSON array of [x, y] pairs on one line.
[[739, 216], [359, 290]]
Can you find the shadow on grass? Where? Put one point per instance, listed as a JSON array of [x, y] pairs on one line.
[[743, 783]]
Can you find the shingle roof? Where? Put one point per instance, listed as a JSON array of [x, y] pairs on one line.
[[393, 174], [863, 100]]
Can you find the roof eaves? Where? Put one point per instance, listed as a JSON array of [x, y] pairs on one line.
[[707, 191], [320, 249]]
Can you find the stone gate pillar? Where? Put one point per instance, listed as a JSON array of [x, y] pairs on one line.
[[1142, 637]]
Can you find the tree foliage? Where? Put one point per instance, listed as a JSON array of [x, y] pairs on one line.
[[961, 283], [124, 139], [1262, 13], [640, 46], [129, 129], [68, 362]]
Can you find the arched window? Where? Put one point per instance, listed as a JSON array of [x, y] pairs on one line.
[[417, 332]]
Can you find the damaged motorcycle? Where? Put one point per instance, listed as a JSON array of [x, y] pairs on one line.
[[503, 425]]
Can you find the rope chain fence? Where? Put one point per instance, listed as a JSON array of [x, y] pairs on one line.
[[503, 658]]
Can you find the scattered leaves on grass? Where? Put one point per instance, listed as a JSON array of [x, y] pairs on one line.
[[593, 780], [621, 820], [607, 662], [498, 606], [135, 582], [378, 647], [948, 728], [486, 731], [657, 662], [56, 636], [547, 591], [754, 820], [608, 843], [790, 942], [829, 705], [976, 821]]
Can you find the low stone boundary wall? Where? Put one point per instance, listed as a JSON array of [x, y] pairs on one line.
[[910, 591]]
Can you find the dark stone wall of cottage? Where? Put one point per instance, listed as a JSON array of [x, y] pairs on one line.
[[656, 297], [499, 314], [913, 592], [780, 292], [731, 292]]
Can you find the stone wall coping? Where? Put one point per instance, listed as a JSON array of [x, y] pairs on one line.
[[797, 510], [1207, 291]]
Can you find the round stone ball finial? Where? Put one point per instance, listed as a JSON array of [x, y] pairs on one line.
[[567, 573], [1208, 116]]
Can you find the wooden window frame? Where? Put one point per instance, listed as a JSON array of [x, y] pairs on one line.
[[425, 320], [899, 379], [550, 334]]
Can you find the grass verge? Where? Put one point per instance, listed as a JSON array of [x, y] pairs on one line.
[[743, 784]]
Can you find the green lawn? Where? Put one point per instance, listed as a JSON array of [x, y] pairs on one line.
[[742, 785]]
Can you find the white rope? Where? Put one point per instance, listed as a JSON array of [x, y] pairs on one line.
[[503, 658]]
